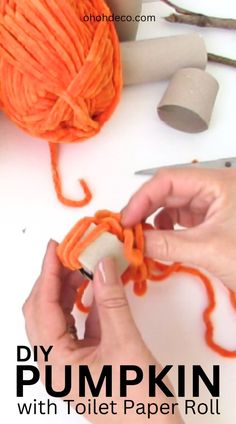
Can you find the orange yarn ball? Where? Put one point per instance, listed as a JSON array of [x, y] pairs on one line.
[[60, 73]]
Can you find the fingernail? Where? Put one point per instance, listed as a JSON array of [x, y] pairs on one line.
[[107, 272], [50, 242], [123, 216]]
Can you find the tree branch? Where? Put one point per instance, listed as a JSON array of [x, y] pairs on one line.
[[221, 59], [178, 9], [202, 21], [185, 16]]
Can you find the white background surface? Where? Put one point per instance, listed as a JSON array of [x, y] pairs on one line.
[[170, 316]]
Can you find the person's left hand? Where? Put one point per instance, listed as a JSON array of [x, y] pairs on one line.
[[111, 336]]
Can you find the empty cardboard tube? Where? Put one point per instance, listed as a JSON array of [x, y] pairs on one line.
[[158, 59], [105, 245], [125, 12], [188, 103]]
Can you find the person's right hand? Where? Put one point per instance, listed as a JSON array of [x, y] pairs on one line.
[[202, 201]]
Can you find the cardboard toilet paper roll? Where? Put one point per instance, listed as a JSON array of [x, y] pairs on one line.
[[188, 102], [106, 245], [158, 59], [125, 12]]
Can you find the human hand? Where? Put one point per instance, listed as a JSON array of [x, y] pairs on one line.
[[111, 336], [202, 201]]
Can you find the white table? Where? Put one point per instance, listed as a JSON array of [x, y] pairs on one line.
[[170, 316]]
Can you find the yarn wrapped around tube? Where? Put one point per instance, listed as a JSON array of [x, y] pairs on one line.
[[60, 73], [141, 269]]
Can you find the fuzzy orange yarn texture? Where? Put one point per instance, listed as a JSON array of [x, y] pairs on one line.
[[60, 74], [141, 270]]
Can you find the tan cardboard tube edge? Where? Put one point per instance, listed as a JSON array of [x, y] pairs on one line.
[[188, 102], [158, 59], [123, 9]]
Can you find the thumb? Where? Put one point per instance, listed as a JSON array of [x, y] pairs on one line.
[[117, 324], [175, 246]]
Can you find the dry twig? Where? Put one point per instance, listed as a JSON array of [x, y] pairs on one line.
[[185, 16], [221, 59], [188, 17]]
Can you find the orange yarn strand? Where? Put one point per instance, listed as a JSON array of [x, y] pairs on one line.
[[141, 268], [60, 75], [57, 182], [80, 294], [208, 312]]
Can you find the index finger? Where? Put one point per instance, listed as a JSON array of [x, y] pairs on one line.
[[46, 321], [173, 188]]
